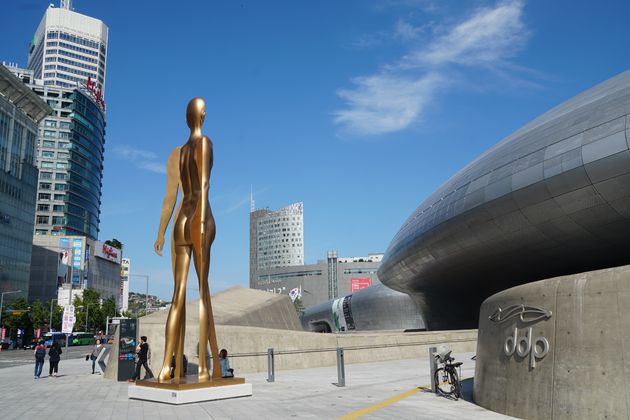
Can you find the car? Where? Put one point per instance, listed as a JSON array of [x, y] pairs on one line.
[[29, 345]]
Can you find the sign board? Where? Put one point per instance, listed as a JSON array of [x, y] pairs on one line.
[[359, 283], [67, 320], [107, 252], [77, 253], [4, 332], [128, 339], [38, 333]]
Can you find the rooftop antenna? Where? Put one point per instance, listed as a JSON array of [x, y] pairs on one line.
[[252, 206], [65, 4]]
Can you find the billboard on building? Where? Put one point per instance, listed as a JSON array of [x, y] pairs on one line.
[[123, 296], [63, 261], [359, 283], [107, 252]]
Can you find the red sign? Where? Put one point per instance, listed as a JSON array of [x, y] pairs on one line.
[[110, 252], [97, 92], [3, 333], [358, 284], [38, 333]]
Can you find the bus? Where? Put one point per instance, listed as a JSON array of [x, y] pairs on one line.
[[82, 339], [49, 337]]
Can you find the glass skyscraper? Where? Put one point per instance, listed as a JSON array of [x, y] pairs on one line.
[[67, 61], [20, 111]]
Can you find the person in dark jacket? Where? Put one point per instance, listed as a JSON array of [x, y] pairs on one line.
[[54, 355], [143, 353], [40, 356]]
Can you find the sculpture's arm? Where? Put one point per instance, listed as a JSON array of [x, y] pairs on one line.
[[172, 182], [206, 167]]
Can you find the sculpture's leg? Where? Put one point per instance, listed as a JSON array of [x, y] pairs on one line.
[[206, 320], [177, 314]]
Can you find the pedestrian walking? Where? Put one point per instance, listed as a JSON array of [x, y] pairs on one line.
[[94, 354], [143, 354], [40, 355], [54, 355]]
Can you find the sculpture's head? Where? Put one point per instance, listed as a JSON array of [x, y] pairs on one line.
[[195, 113]]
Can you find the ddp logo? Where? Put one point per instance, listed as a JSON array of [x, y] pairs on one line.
[[524, 345]]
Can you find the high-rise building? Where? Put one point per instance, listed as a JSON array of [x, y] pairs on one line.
[[20, 112], [276, 239], [69, 48], [66, 63]]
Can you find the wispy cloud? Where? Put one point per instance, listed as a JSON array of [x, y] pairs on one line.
[[397, 95], [143, 159]]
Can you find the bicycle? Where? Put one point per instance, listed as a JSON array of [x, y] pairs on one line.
[[447, 377]]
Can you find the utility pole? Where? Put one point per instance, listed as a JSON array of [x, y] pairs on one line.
[[51, 311]]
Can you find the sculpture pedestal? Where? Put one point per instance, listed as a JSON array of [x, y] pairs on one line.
[[189, 390]]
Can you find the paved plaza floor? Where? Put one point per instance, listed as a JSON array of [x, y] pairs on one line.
[[383, 390]]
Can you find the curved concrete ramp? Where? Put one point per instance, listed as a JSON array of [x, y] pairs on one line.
[[240, 306]]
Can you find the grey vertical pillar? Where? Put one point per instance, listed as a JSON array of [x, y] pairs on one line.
[[271, 367], [432, 367], [341, 370]]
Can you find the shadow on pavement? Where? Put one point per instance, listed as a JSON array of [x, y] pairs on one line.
[[467, 389]]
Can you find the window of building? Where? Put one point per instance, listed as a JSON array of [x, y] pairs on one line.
[[63, 155], [50, 123], [43, 197], [61, 187], [43, 207], [61, 165], [48, 143], [58, 220], [41, 231], [48, 133], [60, 197], [45, 175], [48, 154], [58, 208], [64, 135], [46, 164], [44, 186], [42, 220], [64, 124], [61, 175]]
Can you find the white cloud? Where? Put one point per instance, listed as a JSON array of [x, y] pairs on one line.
[[396, 96], [143, 159], [406, 31], [385, 103]]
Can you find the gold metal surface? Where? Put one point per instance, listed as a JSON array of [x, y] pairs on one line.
[[188, 169], [190, 382]]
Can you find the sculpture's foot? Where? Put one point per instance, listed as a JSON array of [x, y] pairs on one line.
[[165, 374], [203, 375]]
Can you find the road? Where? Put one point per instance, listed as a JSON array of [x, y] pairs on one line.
[[9, 358]]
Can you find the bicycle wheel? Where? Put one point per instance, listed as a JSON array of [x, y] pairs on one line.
[[457, 393], [445, 383]]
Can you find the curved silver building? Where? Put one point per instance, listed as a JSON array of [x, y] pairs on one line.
[[551, 199], [373, 308]]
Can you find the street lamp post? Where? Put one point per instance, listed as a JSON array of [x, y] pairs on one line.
[[2, 301], [87, 313], [146, 295], [51, 310]]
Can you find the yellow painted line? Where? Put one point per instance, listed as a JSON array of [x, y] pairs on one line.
[[382, 404]]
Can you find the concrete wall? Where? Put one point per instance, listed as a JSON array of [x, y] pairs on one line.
[[586, 371], [247, 346]]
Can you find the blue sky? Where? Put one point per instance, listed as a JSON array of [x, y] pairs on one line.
[[358, 108]]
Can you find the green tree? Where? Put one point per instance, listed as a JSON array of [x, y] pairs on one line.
[[57, 314], [299, 306], [115, 243], [88, 305], [17, 317], [109, 307], [39, 315]]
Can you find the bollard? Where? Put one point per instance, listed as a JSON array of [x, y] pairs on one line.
[[433, 367], [271, 367], [341, 370]]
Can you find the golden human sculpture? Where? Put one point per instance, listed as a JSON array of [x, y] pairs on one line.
[[188, 169]]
